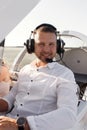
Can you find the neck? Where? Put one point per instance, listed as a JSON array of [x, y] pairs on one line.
[[40, 63]]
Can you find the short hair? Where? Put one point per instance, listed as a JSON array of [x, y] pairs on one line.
[[46, 28]]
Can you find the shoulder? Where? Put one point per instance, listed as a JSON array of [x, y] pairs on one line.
[[62, 67], [64, 72], [26, 69]]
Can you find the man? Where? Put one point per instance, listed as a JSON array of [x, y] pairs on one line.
[[45, 93]]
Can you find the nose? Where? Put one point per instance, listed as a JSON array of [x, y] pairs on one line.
[[46, 48]]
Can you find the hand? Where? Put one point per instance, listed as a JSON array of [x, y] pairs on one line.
[[7, 123]]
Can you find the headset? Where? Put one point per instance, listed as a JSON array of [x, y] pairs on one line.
[[30, 43]]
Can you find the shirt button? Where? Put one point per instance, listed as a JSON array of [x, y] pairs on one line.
[[17, 114], [37, 69], [21, 104], [28, 93], [31, 80]]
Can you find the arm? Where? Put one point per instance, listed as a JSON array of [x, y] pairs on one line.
[[6, 102], [5, 81], [4, 74], [3, 105], [7, 123]]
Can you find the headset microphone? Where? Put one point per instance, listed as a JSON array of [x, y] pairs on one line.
[[48, 60]]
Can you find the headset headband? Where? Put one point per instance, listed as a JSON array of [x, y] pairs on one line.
[[47, 25]]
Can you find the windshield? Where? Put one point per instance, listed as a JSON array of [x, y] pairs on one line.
[[73, 42]]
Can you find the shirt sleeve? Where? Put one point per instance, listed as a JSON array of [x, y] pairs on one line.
[[10, 97], [64, 117]]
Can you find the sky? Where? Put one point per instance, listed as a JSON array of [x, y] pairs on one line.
[[63, 14]]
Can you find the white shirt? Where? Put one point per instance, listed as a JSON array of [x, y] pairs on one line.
[[46, 96]]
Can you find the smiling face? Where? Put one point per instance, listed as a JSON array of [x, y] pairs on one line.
[[45, 45]]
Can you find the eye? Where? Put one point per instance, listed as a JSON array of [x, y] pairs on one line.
[[52, 44], [41, 44]]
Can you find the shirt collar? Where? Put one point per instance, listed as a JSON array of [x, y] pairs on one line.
[[49, 65]]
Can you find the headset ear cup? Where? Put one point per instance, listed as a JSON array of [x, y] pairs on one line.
[[60, 47], [30, 45]]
